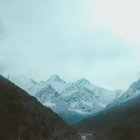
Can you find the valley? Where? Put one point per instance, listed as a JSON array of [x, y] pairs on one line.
[[69, 69], [82, 105]]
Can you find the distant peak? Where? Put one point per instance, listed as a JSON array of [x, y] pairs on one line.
[[55, 78], [83, 81]]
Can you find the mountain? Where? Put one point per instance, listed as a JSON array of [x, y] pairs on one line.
[[57, 83], [132, 92], [81, 99], [22, 117], [72, 101], [120, 122], [27, 84], [105, 96], [85, 83], [48, 96]]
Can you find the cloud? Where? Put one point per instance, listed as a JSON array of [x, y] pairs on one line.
[[40, 38], [121, 17]]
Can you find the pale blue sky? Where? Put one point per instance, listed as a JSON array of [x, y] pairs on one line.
[[72, 38]]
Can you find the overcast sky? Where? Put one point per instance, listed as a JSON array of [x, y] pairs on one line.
[[94, 39]]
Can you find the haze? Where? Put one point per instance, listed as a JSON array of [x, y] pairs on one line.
[[93, 39]]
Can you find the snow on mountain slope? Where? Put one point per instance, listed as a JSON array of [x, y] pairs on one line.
[[133, 91], [25, 83], [85, 83], [57, 83], [47, 95], [105, 96], [81, 98], [72, 101]]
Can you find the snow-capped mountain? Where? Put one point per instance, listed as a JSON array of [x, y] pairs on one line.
[[72, 101], [57, 83], [85, 83], [27, 84], [132, 92], [47, 95], [80, 98], [104, 96]]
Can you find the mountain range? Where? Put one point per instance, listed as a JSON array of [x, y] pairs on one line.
[[73, 101], [96, 113], [132, 92], [119, 121]]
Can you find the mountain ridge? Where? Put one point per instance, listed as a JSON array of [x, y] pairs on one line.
[[80, 98], [119, 121], [23, 117]]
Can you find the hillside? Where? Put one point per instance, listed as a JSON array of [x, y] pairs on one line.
[[121, 122], [22, 117]]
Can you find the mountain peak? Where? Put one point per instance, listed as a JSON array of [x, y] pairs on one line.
[[55, 78], [83, 81]]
